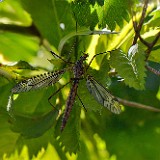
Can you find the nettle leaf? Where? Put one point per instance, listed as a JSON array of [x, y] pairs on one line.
[[84, 14], [114, 11], [110, 12], [131, 69], [69, 138]]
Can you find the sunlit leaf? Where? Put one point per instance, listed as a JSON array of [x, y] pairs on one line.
[[133, 71]]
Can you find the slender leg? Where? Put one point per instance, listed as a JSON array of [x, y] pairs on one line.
[[93, 58], [81, 102], [56, 93], [54, 54]]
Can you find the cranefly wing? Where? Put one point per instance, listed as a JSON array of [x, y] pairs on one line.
[[37, 82], [102, 95]]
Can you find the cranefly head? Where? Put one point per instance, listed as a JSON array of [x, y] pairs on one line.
[[84, 57], [78, 68]]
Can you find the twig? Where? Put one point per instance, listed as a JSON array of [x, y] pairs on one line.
[[138, 27], [151, 45], [153, 70], [137, 105]]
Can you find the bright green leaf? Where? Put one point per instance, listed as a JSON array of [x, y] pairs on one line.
[[132, 70]]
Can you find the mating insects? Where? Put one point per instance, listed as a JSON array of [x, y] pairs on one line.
[[100, 93]]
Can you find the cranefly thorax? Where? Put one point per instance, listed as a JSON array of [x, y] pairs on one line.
[[78, 69]]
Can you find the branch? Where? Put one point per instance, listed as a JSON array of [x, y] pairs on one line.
[[153, 70], [32, 30], [151, 45], [137, 105], [138, 27]]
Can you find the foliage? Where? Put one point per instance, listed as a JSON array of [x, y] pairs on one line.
[[131, 69], [29, 29]]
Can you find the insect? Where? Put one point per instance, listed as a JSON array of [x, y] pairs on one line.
[[101, 94], [78, 71]]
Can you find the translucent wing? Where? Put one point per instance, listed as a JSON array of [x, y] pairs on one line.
[[37, 82], [102, 95]]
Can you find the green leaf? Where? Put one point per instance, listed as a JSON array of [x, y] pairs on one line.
[[18, 46], [32, 126], [84, 14], [11, 12], [23, 65], [48, 16], [155, 18], [70, 136], [114, 11], [7, 137], [108, 13], [132, 70], [34, 102]]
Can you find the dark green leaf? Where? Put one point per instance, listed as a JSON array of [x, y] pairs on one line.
[[32, 127]]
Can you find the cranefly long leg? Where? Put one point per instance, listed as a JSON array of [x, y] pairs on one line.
[[81, 102], [54, 54], [56, 93], [95, 57]]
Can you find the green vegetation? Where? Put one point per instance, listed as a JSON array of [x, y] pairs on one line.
[[30, 29]]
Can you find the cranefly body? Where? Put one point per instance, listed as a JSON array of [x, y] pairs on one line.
[[78, 71]]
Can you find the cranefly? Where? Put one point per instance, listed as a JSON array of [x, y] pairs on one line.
[[98, 91], [78, 71]]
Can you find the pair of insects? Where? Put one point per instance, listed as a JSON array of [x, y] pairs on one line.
[[99, 92]]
